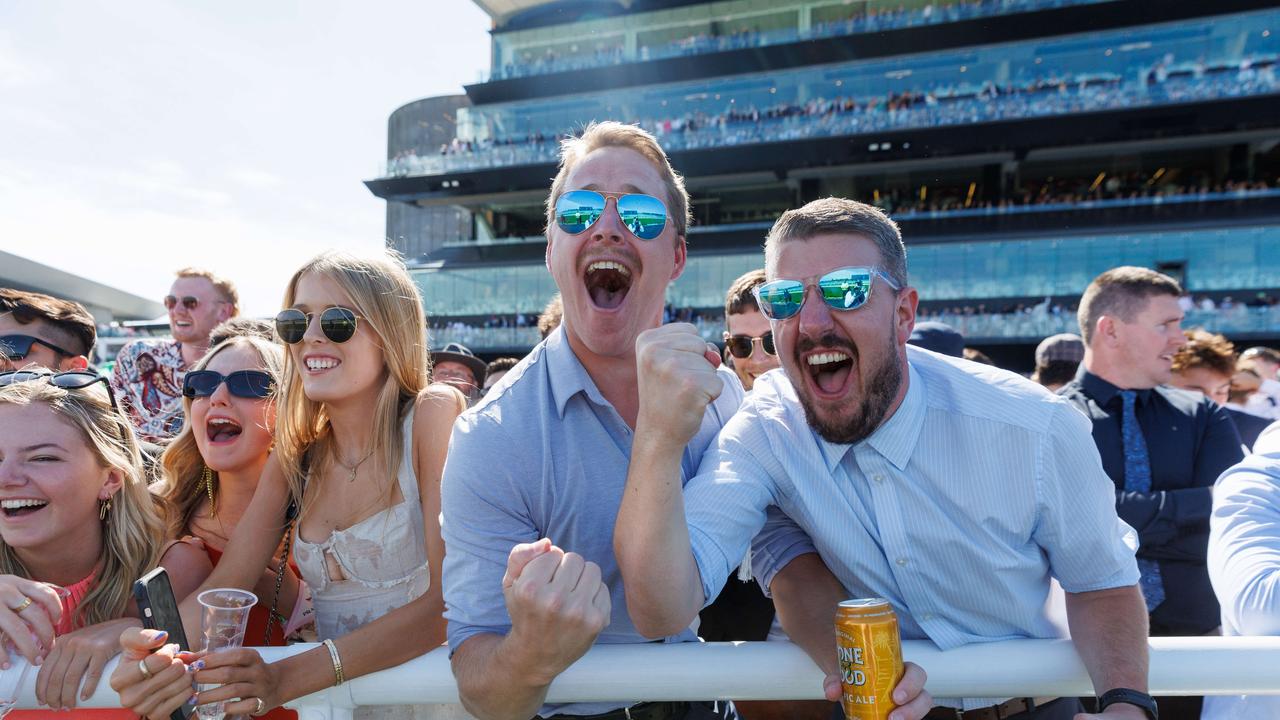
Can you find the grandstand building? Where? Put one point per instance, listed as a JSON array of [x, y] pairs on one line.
[[1023, 145]]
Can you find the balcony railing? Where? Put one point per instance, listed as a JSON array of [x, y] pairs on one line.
[[781, 671]]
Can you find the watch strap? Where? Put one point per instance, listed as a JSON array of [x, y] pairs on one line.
[[1130, 697]]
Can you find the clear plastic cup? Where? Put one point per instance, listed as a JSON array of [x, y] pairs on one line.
[[224, 614], [11, 682]]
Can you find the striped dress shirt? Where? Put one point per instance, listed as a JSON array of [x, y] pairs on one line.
[[958, 509]]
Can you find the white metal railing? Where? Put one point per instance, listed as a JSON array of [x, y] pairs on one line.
[[781, 671]]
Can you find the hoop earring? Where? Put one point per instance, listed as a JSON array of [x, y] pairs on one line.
[[104, 509], [206, 479]]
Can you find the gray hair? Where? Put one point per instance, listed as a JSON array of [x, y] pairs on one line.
[[840, 216]]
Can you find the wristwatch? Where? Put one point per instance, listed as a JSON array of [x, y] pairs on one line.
[[1131, 697]]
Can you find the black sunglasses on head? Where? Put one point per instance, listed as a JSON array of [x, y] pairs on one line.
[[18, 347], [337, 323], [252, 384], [70, 380]]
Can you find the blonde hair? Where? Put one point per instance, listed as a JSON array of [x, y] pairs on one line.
[[388, 303], [132, 532], [225, 287], [181, 465], [615, 134]]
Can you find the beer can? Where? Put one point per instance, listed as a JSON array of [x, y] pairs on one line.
[[870, 653]]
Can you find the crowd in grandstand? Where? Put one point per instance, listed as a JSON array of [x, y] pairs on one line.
[[862, 19], [1048, 94], [305, 461]]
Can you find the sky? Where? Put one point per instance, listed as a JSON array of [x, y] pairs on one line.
[[140, 137]]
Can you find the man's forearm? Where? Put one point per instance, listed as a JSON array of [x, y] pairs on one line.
[[490, 683], [1109, 628], [651, 541], [806, 594]]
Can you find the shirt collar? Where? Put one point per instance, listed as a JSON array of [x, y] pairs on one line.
[[1103, 392], [896, 438], [566, 374]]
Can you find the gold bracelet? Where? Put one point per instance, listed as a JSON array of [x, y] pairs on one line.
[[338, 678]]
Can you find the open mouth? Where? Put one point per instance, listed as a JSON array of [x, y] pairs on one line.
[[21, 508], [829, 371], [223, 430], [607, 284]]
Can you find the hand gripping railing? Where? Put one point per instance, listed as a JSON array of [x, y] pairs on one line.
[[781, 671]]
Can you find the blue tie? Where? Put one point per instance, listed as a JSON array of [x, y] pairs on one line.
[[1137, 478]]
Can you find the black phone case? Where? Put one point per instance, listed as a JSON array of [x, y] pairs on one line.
[[159, 609]]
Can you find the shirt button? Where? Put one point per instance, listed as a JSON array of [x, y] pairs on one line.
[[878, 478], [902, 562], [927, 616]]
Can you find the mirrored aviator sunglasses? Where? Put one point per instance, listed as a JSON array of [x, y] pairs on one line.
[[251, 384], [843, 289], [337, 323], [644, 216]]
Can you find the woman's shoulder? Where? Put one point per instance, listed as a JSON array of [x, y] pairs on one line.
[[438, 403]]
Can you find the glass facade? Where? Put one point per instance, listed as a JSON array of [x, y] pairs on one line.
[[1228, 56], [1222, 259]]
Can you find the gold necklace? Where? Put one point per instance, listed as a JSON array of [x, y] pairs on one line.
[[352, 468]]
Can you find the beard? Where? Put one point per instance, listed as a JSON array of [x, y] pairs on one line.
[[881, 387]]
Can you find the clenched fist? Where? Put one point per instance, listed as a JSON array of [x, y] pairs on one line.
[[677, 380], [557, 603]]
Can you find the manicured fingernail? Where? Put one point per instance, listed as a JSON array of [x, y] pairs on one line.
[[199, 664], [899, 696], [161, 636], [195, 697], [39, 659]]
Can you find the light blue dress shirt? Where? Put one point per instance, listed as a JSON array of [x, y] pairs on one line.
[[544, 455], [1244, 562], [958, 509]]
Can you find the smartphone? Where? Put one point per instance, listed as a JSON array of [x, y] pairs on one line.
[[159, 610]]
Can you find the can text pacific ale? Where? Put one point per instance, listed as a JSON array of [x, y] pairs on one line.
[[870, 654]]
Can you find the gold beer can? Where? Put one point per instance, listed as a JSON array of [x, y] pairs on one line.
[[870, 653]]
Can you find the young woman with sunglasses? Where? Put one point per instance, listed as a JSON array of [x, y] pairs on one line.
[[211, 470], [353, 485], [77, 527]]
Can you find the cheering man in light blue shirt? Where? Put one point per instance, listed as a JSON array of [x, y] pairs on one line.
[[543, 457], [954, 490]]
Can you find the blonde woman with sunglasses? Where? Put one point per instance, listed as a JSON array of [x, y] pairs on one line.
[[77, 527], [210, 472], [353, 487]]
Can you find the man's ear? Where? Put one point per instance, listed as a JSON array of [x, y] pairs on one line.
[[78, 362], [682, 255], [905, 313]]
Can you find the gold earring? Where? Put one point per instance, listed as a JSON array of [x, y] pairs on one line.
[[206, 479], [104, 508]]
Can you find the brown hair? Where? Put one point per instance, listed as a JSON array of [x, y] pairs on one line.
[[221, 284], [1206, 350], [740, 299], [615, 134], [1121, 292], [501, 364], [66, 317], [845, 217]]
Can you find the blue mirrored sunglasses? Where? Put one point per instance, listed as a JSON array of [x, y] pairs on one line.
[[843, 289], [644, 215]]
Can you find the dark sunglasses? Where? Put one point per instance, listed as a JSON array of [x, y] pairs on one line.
[[17, 347], [741, 346], [252, 384], [337, 323], [843, 289], [70, 380], [189, 302], [644, 215]]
